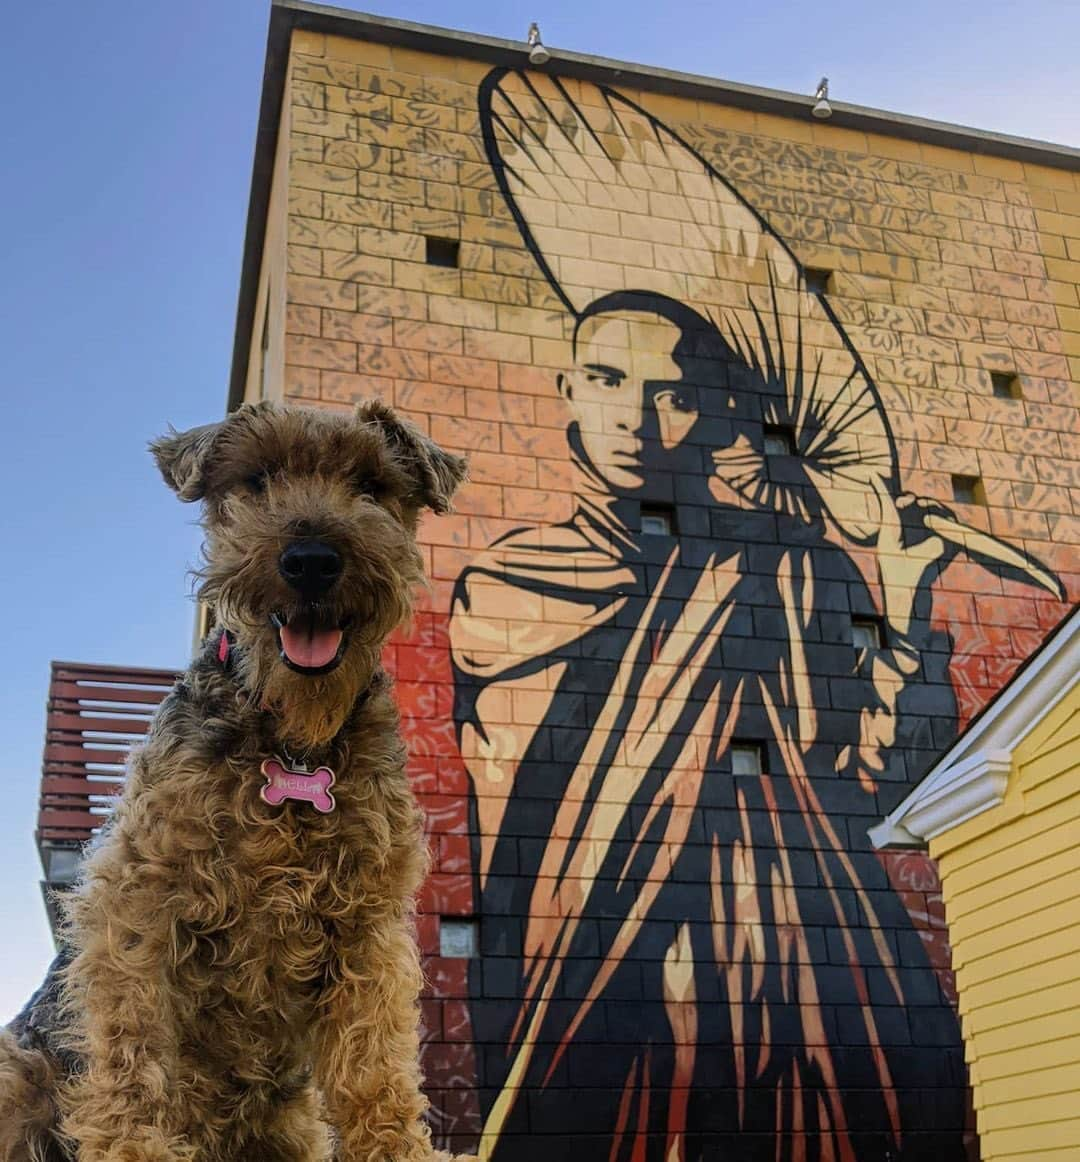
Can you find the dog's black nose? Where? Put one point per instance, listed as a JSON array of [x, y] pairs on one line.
[[310, 567]]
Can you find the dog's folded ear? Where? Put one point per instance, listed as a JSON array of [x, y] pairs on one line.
[[437, 473], [182, 458]]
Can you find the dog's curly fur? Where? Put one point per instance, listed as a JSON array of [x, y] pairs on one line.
[[240, 981]]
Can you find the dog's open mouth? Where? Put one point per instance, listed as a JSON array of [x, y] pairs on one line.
[[309, 643]]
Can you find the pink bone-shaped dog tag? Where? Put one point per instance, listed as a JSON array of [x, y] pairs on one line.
[[283, 783]]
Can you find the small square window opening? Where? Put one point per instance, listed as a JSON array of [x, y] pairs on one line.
[[779, 440], [657, 520], [817, 280], [865, 633], [1005, 385], [442, 251], [747, 758], [459, 937], [968, 490]]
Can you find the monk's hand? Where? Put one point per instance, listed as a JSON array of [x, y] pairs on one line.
[[907, 548]]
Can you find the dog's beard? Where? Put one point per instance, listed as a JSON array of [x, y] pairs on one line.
[[311, 708], [310, 665]]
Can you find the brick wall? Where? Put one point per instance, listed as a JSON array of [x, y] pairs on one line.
[[678, 957]]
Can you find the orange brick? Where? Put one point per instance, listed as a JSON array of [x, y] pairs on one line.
[[438, 337], [497, 468], [301, 382], [465, 371], [525, 440], [324, 353], [360, 328], [389, 361], [301, 320], [320, 292], [458, 433], [501, 406], [348, 388], [417, 396]]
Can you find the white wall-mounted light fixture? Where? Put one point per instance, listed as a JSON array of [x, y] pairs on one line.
[[822, 108], [538, 55]]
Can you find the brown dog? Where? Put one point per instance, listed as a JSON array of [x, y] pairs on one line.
[[239, 977]]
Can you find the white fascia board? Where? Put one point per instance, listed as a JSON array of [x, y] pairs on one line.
[[972, 775]]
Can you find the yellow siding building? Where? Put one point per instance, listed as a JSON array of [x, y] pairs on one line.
[[1001, 814]]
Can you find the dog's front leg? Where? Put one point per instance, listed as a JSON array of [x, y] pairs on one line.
[[123, 1107], [368, 1060]]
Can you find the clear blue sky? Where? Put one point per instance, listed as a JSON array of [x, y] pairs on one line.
[[129, 132]]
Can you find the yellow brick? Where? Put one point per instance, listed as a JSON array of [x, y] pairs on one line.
[[527, 321], [356, 268], [321, 122], [308, 93], [418, 276], [1068, 318], [358, 102], [305, 147], [887, 266], [424, 64], [1067, 270], [389, 243], [1063, 294], [320, 292], [332, 178], [826, 257], [493, 345], [471, 72], [324, 72], [742, 121], [305, 203], [305, 231], [833, 137], [668, 108], [358, 52], [304, 260], [998, 167], [894, 147], [307, 43], [980, 186], [953, 159], [463, 312], [1053, 179], [365, 211]]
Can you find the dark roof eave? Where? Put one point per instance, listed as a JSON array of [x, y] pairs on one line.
[[285, 15]]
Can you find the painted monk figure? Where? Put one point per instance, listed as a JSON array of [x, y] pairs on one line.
[[701, 955]]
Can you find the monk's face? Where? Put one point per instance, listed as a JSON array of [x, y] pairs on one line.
[[627, 395]]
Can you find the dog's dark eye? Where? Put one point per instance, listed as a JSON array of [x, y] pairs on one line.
[[256, 482], [366, 486]]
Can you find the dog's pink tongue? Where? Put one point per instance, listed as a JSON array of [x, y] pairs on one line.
[[310, 648]]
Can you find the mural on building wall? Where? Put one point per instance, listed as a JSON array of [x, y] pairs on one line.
[[672, 854]]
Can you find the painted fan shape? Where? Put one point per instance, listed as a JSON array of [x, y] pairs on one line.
[[608, 198]]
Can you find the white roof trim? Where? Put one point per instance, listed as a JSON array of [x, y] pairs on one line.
[[972, 775]]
